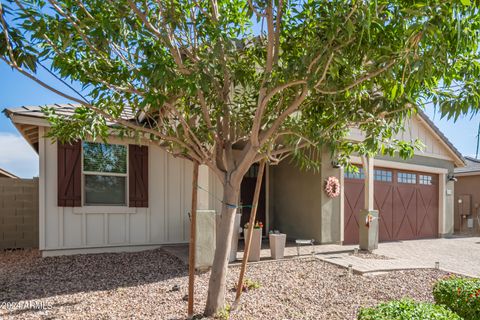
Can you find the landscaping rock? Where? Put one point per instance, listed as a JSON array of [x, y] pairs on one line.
[[139, 285]]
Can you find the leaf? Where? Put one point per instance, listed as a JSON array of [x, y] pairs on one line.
[[393, 93]]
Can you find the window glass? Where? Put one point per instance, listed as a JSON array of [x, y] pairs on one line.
[[99, 157], [425, 179], [404, 177], [105, 190], [355, 175], [105, 174], [382, 175]]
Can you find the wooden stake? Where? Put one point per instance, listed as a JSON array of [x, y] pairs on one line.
[[251, 223], [191, 249]]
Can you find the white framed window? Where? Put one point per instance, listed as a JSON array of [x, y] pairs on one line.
[[105, 174]]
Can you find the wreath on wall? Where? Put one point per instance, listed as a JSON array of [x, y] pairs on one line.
[[332, 187]]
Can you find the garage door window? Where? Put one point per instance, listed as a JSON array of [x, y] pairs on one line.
[[409, 178], [355, 175], [425, 180], [383, 175]]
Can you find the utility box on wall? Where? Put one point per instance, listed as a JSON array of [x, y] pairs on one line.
[[464, 203]]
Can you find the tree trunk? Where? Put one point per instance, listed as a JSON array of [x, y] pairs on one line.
[[216, 285]]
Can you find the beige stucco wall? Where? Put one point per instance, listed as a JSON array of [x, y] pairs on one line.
[[297, 208], [299, 205], [332, 208], [449, 209], [165, 221]]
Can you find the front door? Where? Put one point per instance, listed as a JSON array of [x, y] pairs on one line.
[[247, 191]]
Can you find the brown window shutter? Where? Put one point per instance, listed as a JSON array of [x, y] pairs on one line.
[[69, 174], [138, 176]]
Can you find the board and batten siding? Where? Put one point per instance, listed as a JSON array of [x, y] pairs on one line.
[[415, 128], [164, 221]]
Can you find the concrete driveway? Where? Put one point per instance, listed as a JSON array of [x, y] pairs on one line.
[[458, 255]]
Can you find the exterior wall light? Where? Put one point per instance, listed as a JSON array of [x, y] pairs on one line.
[[451, 177], [335, 164]]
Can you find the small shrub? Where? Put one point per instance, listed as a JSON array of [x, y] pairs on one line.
[[224, 314], [407, 309], [461, 295], [248, 285], [251, 284]]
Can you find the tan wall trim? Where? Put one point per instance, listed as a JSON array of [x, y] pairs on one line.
[[103, 209], [36, 121], [466, 174], [433, 155], [70, 251], [442, 185], [342, 205], [401, 165], [41, 188], [267, 197]]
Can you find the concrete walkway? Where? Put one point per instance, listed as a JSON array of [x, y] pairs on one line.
[[457, 255], [291, 251]]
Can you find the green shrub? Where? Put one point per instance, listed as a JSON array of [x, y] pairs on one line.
[[223, 314], [407, 309], [248, 285], [461, 295]]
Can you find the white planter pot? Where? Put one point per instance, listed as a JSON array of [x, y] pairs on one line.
[[255, 245], [277, 244]]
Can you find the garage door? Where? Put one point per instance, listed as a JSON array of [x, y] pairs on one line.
[[407, 203]]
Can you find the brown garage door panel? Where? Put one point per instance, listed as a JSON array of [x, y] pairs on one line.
[[427, 211], [404, 212], [384, 204], [354, 200], [407, 204]]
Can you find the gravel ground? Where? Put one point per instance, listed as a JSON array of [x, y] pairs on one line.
[[139, 286]]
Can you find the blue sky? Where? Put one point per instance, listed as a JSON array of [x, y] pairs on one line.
[[19, 158], [16, 155]]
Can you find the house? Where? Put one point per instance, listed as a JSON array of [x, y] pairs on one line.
[[414, 197], [467, 197], [122, 196], [5, 174]]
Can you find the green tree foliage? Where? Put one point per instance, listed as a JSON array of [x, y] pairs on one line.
[[268, 79]]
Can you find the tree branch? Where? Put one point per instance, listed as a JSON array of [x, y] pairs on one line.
[[257, 13], [7, 36], [278, 122], [104, 114], [360, 80], [174, 50]]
